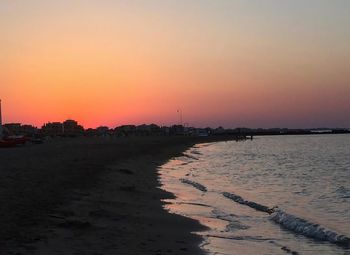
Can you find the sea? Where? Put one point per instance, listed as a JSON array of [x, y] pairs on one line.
[[271, 195]]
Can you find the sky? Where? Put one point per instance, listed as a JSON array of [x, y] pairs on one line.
[[230, 63]]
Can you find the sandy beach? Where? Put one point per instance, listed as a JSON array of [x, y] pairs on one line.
[[92, 196]]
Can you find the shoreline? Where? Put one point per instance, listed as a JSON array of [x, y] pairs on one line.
[[93, 196]]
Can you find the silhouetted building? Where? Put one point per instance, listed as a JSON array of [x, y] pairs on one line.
[[177, 130], [13, 128], [67, 128], [201, 132], [219, 131], [52, 129], [72, 128], [125, 130], [29, 130], [165, 130], [103, 131], [19, 129], [147, 130], [91, 132]]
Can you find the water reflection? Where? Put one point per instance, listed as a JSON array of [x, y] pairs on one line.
[[272, 171]]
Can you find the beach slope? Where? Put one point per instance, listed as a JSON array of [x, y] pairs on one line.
[[92, 196]]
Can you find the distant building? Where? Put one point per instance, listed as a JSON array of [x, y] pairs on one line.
[[219, 131], [321, 131], [103, 130], [13, 128], [67, 128], [177, 130], [100, 131], [165, 130], [125, 130], [28, 130], [155, 129], [91, 132], [52, 129], [202, 132], [72, 128], [147, 130], [19, 129]]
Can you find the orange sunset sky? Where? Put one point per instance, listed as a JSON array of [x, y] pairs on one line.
[[225, 62]]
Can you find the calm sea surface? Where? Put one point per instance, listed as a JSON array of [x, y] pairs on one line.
[[307, 177]]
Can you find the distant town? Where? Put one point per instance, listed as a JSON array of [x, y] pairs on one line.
[[71, 128]]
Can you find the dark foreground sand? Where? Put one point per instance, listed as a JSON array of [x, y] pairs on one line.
[[92, 196]]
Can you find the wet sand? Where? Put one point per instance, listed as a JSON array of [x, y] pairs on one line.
[[92, 196]]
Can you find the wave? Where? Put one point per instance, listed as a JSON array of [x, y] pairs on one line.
[[254, 205], [194, 184], [343, 192], [195, 152], [293, 223], [309, 229], [240, 238], [190, 203], [186, 155]]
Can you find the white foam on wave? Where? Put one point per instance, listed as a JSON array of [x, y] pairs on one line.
[[293, 223], [309, 229]]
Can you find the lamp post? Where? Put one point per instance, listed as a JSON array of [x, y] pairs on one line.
[[180, 116], [1, 130]]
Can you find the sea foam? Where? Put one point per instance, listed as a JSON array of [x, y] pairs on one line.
[[309, 229], [293, 223]]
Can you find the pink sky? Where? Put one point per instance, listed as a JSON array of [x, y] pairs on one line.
[[224, 63]]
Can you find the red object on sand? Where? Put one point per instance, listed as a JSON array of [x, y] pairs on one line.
[[12, 141], [7, 144]]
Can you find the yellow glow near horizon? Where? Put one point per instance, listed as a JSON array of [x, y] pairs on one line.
[[227, 63]]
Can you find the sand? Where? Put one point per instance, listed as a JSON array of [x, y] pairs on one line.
[[92, 196]]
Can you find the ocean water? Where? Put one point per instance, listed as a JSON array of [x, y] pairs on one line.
[[230, 187]]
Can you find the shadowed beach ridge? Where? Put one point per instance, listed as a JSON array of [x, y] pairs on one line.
[[92, 196]]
